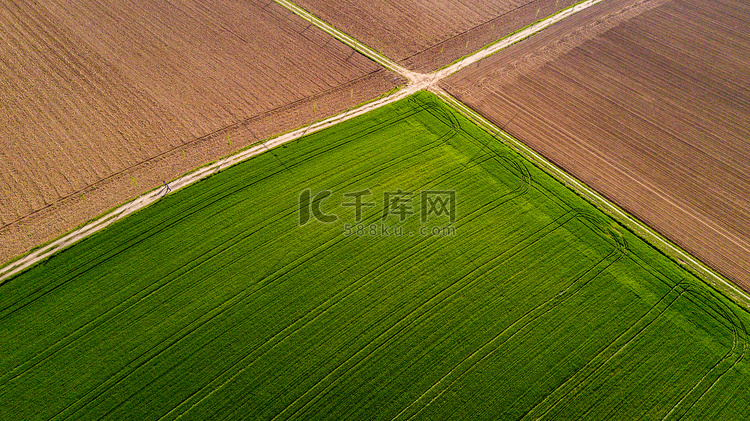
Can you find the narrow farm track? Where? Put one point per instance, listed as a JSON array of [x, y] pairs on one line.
[[425, 35], [416, 83]]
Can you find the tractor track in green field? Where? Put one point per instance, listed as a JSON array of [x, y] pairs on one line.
[[525, 320], [521, 189], [232, 242], [708, 304], [419, 317], [576, 384], [151, 289]]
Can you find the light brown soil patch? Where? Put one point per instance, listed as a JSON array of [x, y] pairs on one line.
[[647, 102], [101, 101]]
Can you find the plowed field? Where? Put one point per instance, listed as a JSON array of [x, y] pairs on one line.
[[424, 35], [101, 101], [646, 102]]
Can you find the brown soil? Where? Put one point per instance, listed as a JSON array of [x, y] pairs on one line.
[[101, 101], [646, 102], [424, 35]]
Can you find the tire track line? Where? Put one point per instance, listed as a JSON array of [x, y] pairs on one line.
[[547, 406], [520, 190], [289, 211], [447, 174], [616, 254], [503, 257]]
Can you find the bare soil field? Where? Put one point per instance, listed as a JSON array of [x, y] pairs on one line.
[[648, 102], [424, 35], [101, 101]]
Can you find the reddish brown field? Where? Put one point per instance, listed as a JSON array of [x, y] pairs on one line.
[[101, 101], [424, 35], [648, 103]]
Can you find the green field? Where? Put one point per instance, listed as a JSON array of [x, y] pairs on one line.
[[215, 304]]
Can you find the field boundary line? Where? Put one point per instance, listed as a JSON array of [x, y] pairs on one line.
[[19, 265], [512, 39], [426, 80], [682, 258], [417, 82], [346, 39]]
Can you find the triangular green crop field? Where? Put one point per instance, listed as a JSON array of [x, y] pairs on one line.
[[509, 297]]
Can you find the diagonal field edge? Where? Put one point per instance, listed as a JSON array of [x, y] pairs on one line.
[[346, 39], [66, 241], [705, 273], [417, 81]]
